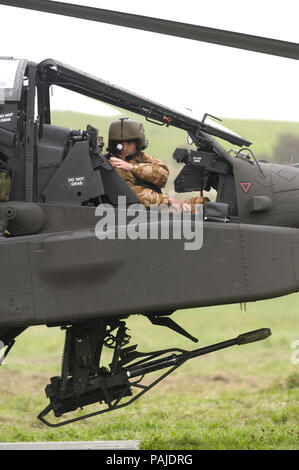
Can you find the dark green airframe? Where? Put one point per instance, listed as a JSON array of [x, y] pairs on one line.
[[58, 273]]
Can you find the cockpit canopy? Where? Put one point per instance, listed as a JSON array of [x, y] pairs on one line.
[[11, 78]]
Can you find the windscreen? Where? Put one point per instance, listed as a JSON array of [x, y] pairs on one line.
[[209, 123], [11, 79]]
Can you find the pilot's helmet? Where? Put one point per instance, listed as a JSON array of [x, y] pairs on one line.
[[126, 130]]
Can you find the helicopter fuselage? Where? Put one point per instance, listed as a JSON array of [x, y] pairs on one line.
[[58, 271]]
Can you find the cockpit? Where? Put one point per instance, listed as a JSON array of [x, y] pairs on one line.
[[59, 163]]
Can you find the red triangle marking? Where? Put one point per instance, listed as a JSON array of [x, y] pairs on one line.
[[245, 186]]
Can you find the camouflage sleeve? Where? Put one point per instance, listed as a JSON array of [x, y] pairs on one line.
[[5, 186], [152, 170], [148, 196]]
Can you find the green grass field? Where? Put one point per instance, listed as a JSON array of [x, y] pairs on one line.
[[245, 397]]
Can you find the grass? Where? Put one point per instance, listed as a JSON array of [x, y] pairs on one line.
[[245, 397]]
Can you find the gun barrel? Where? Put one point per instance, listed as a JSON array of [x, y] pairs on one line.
[[178, 359]]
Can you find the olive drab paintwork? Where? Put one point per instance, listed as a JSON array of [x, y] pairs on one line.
[[68, 177]]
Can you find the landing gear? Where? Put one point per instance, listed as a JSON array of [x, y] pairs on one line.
[[84, 382]]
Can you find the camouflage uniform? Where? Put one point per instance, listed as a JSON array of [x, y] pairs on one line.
[[153, 171], [5, 186]]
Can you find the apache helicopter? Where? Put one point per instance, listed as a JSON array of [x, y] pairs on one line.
[[59, 274]]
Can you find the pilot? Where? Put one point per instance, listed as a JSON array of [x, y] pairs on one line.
[[145, 174]]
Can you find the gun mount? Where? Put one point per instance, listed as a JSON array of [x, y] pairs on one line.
[[84, 382]]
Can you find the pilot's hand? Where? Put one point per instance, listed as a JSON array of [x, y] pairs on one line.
[[119, 163], [179, 204]]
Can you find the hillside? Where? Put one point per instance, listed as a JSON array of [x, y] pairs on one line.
[[162, 140], [264, 135]]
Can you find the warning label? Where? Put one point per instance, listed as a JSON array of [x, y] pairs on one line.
[[7, 117], [245, 186], [75, 181]]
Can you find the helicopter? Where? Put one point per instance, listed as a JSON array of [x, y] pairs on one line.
[[60, 274]]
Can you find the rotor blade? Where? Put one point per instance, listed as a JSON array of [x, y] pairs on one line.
[[172, 28]]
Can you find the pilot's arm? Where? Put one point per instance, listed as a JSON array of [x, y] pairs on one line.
[[151, 169], [148, 196]]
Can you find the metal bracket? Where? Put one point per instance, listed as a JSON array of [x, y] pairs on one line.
[[169, 323]]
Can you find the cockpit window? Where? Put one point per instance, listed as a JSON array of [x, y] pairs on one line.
[[11, 78], [8, 73], [210, 124], [215, 125]]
